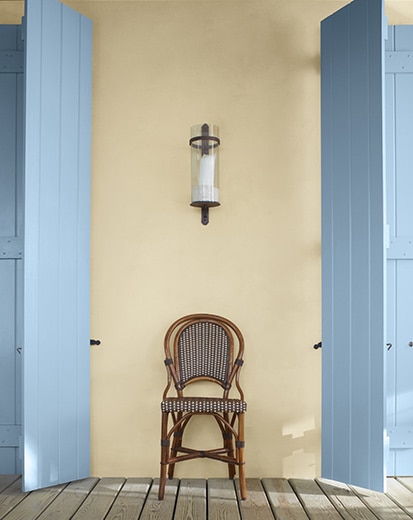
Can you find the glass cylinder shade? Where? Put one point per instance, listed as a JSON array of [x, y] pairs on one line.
[[204, 144]]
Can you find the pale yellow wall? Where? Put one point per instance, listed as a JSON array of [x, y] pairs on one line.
[[251, 67], [11, 11]]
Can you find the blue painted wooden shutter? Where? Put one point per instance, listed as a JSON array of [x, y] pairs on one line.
[[11, 245], [399, 180], [56, 265], [353, 250]]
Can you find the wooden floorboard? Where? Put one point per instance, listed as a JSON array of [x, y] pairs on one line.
[[100, 500], [155, 509], [285, 504], [129, 503], [222, 500], [315, 503], [347, 503], [256, 505], [70, 499], [10, 497], [191, 502], [382, 505], [200, 499], [33, 503]]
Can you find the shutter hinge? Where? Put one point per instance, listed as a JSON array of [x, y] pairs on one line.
[[23, 29]]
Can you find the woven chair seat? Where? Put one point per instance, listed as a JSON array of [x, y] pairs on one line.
[[203, 405]]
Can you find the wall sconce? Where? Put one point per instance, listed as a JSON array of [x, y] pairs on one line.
[[204, 143]]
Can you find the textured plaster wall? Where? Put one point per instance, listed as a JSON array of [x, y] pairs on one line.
[[251, 67]]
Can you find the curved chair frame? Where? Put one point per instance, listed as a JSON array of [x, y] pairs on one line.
[[200, 347]]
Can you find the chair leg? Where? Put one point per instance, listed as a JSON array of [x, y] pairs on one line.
[[240, 456], [164, 455], [176, 444], [229, 445], [177, 440]]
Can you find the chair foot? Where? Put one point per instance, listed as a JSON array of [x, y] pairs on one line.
[[162, 482], [242, 483], [161, 491]]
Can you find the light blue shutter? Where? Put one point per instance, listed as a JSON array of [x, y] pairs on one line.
[[399, 156], [11, 245], [56, 266], [353, 249]]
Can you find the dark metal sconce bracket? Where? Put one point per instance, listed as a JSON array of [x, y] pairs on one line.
[[205, 209], [205, 215]]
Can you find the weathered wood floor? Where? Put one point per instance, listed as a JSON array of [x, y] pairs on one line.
[[214, 499]]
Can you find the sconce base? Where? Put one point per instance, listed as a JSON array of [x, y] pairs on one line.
[[205, 215], [205, 205]]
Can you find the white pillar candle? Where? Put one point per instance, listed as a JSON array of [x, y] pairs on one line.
[[207, 170]]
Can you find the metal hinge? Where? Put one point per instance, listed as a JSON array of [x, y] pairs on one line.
[[400, 437], [23, 29], [10, 435]]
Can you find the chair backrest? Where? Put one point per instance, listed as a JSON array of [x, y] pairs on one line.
[[201, 347]]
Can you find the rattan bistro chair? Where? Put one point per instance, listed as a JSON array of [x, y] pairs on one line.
[[203, 347]]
